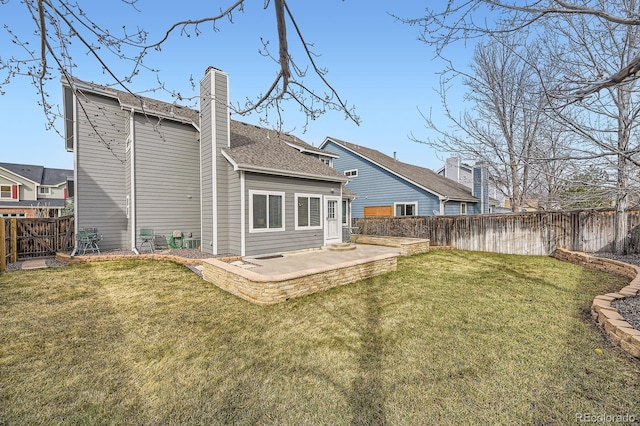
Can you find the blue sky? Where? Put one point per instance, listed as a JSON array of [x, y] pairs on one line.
[[375, 63]]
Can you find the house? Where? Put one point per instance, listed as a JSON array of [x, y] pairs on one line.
[[460, 172], [33, 191], [388, 187], [226, 186]]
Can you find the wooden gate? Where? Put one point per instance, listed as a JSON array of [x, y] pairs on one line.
[[27, 238]]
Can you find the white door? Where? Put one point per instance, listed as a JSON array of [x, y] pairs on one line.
[[332, 228]]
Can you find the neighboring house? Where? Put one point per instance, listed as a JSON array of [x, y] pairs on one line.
[[33, 191], [460, 172], [234, 188], [388, 187]]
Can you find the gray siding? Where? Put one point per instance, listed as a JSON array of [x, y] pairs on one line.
[[127, 180], [214, 127], [234, 212], [377, 187], [290, 239], [167, 177], [100, 187], [206, 169], [221, 117]]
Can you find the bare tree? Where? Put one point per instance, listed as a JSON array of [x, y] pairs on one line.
[[597, 43], [501, 128], [607, 124], [448, 23], [62, 29]]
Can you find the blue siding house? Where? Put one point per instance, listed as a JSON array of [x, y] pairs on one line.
[[388, 187]]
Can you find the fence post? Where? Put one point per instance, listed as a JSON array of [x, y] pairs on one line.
[[14, 240], [3, 246]]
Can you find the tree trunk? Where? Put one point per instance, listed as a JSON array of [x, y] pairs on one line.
[[621, 238]]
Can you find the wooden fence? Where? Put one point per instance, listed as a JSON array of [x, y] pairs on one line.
[[26, 238], [535, 233]]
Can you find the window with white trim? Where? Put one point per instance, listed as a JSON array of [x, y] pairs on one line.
[[5, 191], [405, 209], [266, 211], [351, 173], [44, 190], [326, 161], [308, 211], [463, 208]]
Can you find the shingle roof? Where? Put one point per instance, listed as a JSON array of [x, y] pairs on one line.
[[27, 171], [421, 176], [56, 176], [256, 147], [147, 105], [251, 146], [38, 174]]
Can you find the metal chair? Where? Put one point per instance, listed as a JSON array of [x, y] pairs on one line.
[[147, 236], [88, 239]]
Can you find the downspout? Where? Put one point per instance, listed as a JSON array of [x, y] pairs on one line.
[[442, 203], [243, 216], [132, 202], [75, 173]]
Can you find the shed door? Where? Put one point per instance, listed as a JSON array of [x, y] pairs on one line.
[[332, 234]]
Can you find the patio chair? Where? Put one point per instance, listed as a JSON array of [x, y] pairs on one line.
[[147, 236], [88, 239]]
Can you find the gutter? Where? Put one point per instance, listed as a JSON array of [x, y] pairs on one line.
[[278, 172]]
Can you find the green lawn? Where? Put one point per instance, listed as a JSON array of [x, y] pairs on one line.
[[452, 337]]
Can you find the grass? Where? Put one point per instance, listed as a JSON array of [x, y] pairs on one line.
[[451, 338]]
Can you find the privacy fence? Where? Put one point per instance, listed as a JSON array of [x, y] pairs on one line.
[[26, 238], [535, 233]]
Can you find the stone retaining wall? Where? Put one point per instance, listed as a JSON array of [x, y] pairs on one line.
[[408, 246], [63, 257], [266, 290], [620, 331]]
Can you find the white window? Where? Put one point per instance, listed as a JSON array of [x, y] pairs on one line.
[[44, 190], [463, 208], [266, 211], [5, 191], [326, 161], [308, 211], [351, 173], [406, 209]]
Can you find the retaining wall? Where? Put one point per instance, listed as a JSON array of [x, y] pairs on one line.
[[620, 331]]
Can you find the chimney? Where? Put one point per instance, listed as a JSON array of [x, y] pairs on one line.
[[480, 187], [215, 134]]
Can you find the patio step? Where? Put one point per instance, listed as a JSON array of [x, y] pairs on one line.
[[341, 247]]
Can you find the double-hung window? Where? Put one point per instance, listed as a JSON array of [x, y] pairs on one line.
[[5, 191], [308, 211], [406, 209], [44, 190], [266, 211]]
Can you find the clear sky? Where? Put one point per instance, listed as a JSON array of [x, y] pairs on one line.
[[374, 62]]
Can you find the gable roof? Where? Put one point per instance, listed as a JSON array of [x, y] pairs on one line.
[[420, 176], [261, 150], [253, 148], [38, 174]]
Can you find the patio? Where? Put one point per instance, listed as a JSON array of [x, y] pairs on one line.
[[275, 279]]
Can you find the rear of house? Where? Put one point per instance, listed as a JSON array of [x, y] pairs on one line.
[[229, 187]]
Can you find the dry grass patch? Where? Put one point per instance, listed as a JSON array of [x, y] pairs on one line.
[[452, 337]]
